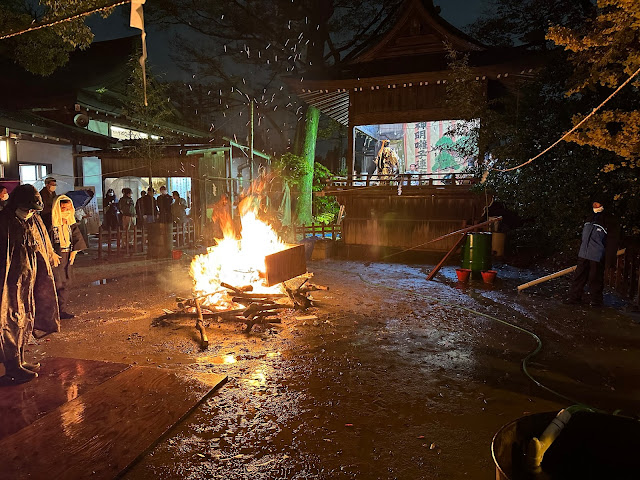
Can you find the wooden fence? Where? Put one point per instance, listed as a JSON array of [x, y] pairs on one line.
[[320, 229], [136, 239], [624, 278]]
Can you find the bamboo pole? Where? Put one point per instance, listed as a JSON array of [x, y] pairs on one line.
[[467, 229], [557, 274], [547, 277]]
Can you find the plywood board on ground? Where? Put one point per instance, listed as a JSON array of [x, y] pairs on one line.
[[60, 380], [102, 432]]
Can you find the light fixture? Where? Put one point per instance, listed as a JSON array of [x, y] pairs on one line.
[[4, 150]]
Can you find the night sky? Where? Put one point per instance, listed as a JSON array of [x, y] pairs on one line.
[[459, 13]]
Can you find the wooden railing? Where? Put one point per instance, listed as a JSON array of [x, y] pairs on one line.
[[319, 229], [624, 278], [404, 179], [136, 240]]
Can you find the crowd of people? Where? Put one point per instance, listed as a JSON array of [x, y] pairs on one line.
[[125, 213]]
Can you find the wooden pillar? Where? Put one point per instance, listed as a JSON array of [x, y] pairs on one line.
[[251, 126], [351, 153]]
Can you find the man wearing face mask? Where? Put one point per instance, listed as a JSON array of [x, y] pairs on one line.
[[4, 197], [67, 241], [48, 194], [28, 299], [597, 251]]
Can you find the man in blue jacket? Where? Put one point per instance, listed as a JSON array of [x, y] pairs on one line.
[[598, 248]]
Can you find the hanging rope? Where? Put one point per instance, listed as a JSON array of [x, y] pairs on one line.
[[63, 20], [573, 129]]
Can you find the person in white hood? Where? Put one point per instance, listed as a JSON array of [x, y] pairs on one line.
[[67, 240]]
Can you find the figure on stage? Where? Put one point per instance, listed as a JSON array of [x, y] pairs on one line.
[[387, 161]]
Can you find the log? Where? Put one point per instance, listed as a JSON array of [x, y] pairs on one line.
[[246, 288], [200, 326], [259, 296], [547, 277]]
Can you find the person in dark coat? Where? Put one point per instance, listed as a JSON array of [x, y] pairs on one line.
[[139, 207], [48, 194], [110, 211], [127, 209], [598, 250], [178, 208], [28, 291], [149, 207], [67, 241], [164, 201]]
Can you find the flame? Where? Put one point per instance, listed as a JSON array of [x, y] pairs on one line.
[[236, 261]]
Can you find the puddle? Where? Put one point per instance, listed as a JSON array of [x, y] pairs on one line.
[[103, 281]]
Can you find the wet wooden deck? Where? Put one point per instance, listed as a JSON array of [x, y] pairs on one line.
[[85, 418]]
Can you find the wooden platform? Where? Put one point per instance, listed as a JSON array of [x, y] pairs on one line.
[[91, 419]]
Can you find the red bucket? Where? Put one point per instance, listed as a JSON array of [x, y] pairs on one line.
[[488, 276], [463, 274], [176, 254]]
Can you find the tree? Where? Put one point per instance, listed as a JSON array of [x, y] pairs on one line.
[[43, 51], [604, 53], [554, 191], [257, 49]]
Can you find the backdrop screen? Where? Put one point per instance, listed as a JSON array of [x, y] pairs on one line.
[[442, 146]]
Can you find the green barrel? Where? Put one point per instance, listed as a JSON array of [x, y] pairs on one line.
[[476, 252]]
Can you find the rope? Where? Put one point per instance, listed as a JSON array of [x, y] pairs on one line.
[[63, 20], [573, 129]]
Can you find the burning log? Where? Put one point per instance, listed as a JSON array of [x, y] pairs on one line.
[[247, 288]]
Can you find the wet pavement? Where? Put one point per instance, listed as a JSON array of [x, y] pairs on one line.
[[397, 377]]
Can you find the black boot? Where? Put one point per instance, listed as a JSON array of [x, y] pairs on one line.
[[15, 374], [34, 367]]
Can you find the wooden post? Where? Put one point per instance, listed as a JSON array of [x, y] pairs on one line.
[[118, 233], [135, 239], [638, 280], [109, 242], [100, 242], [435, 270]]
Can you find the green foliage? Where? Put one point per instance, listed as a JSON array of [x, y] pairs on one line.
[[43, 51], [325, 209], [291, 168], [604, 53], [158, 108]]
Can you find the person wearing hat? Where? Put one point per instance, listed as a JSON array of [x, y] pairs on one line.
[[67, 241], [28, 291], [597, 250], [48, 194]]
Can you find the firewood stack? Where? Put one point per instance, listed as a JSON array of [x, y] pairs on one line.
[[250, 308]]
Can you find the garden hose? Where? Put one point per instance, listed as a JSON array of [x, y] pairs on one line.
[[525, 360]]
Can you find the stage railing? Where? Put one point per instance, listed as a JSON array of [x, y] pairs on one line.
[[404, 179]]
